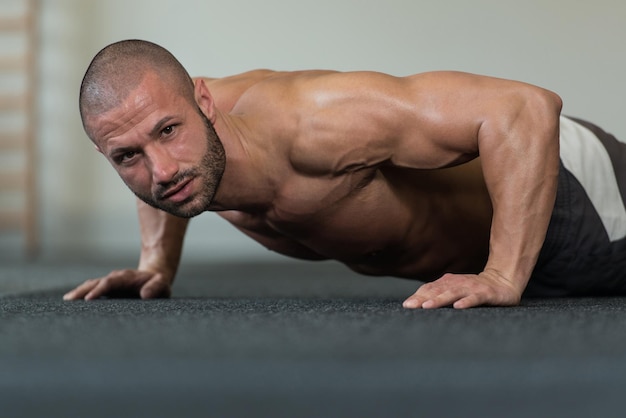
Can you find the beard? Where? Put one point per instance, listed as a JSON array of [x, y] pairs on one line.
[[209, 170]]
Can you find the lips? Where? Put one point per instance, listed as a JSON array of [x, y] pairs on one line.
[[179, 192]]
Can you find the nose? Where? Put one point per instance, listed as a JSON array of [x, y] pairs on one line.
[[164, 167]]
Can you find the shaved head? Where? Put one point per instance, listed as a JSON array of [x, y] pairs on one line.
[[120, 67], [192, 157]]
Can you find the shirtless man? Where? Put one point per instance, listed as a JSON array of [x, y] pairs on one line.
[[378, 172]]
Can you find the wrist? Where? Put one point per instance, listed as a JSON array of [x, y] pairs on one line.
[[158, 263], [515, 278]]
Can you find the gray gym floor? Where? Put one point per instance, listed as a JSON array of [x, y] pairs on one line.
[[298, 340]]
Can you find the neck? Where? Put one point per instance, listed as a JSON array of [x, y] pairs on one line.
[[244, 185]]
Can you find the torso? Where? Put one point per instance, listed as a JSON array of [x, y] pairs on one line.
[[403, 223], [378, 220]]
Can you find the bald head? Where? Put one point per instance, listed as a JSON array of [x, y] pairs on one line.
[[120, 67]]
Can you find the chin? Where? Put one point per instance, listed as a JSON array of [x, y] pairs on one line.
[[185, 211], [188, 214], [189, 208]]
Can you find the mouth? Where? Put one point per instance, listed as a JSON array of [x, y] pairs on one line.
[[180, 192]]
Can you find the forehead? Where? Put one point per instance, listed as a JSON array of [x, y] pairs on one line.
[[151, 100]]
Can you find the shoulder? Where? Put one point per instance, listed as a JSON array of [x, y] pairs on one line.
[[285, 85], [244, 78], [313, 86], [228, 90], [347, 120]]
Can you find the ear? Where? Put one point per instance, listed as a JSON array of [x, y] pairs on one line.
[[204, 99]]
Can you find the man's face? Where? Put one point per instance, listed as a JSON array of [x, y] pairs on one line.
[[163, 147]]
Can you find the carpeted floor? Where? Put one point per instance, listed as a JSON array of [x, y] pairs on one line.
[[298, 340]]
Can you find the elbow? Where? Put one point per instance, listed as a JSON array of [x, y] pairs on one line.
[[526, 125], [537, 118], [544, 108], [539, 127], [551, 101], [557, 102], [526, 112]]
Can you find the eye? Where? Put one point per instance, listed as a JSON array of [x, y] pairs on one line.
[[168, 130], [128, 155], [125, 157]]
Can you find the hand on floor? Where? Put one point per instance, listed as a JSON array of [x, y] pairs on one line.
[[465, 291], [123, 283]]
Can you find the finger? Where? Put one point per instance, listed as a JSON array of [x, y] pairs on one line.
[[125, 283], [469, 301], [446, 298], [80, 291], [426, 292], [414, 301], [155, 288], [103, 287]]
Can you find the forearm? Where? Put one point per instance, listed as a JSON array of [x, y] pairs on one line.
[[520, 165], [162, 237]]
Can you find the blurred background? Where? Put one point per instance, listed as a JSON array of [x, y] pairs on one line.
[[84, 210]]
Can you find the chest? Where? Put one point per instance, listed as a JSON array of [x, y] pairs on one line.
[[342, 218]]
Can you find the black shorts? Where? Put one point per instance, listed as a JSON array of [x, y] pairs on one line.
[[584, 252]]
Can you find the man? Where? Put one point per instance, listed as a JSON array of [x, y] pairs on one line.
[[445, 177]]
